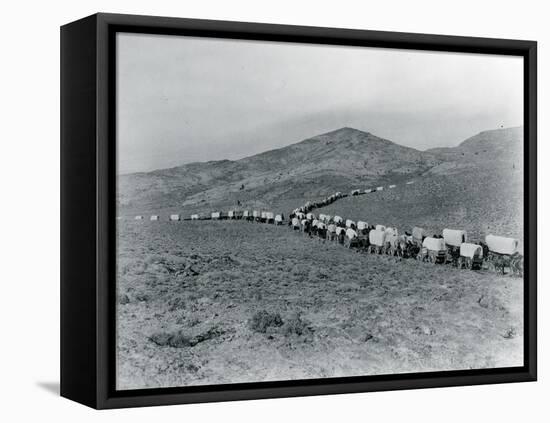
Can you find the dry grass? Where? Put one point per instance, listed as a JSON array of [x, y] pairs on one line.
[[193, 289]]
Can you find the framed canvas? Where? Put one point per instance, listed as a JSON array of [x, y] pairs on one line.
[[256, 211]]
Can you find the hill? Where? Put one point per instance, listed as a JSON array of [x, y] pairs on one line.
[[478, 187], [315, 167], [495, 150]]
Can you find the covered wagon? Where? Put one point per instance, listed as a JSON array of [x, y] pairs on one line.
[[391, 186], [139, 217], [278, 219], [331, 231], [337, 219], [295, 223], [379, 188], [433, 250], [350, 223], [310, 216], [340, 234], [391, 231], [362, 225], [154, 217], [270, 217], [195, 216], [454, 237], [235, 214], [321, 230], [471, 256], [503, 252], [377, 240], [380, 228], [418, 235], [502, 245], [175, 217], [216, 215], [351, 238]]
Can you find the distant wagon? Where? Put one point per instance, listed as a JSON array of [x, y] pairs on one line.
[[138, 218], [502, 245], [362, 225], [356, 192], [337, 219], [433, 250], [278, 219], [377, 240], [331, 231], [216, 215], [270, 217], [256, 215], [380, 228], [471, 256], [175, 217], [391, 231], [310, 216], [410, 182], [350, 223], [234, 214], [503, 252], [351, 238], [340, 234], [454, 237], [380, 189], [391, 186], [295, 223], [418, 235], [195, 216], [154, 217], [247, 215]]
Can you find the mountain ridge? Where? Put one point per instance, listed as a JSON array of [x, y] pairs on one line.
[[339, 160]]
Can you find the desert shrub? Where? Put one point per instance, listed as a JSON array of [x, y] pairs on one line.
[[179, 339], [176, 304], [123, 299], [143, 297], [296, 326], [262, 320], [176, 339]]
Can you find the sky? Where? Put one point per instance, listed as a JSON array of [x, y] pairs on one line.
[[186, 99]]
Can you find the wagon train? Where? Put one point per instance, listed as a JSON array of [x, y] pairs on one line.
[[452, 246]]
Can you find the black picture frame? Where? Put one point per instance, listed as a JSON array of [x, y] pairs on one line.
[[88, 210]]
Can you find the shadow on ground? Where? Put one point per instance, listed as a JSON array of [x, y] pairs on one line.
[[51, 387]]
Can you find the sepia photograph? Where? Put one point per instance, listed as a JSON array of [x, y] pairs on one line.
[[290, 211]]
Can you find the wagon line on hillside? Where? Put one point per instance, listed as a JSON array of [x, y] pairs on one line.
[[451, 246]]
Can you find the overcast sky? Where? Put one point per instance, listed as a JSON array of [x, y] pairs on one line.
[[186, 99]]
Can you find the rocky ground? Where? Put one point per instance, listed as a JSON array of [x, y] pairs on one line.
[[227, 302]]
